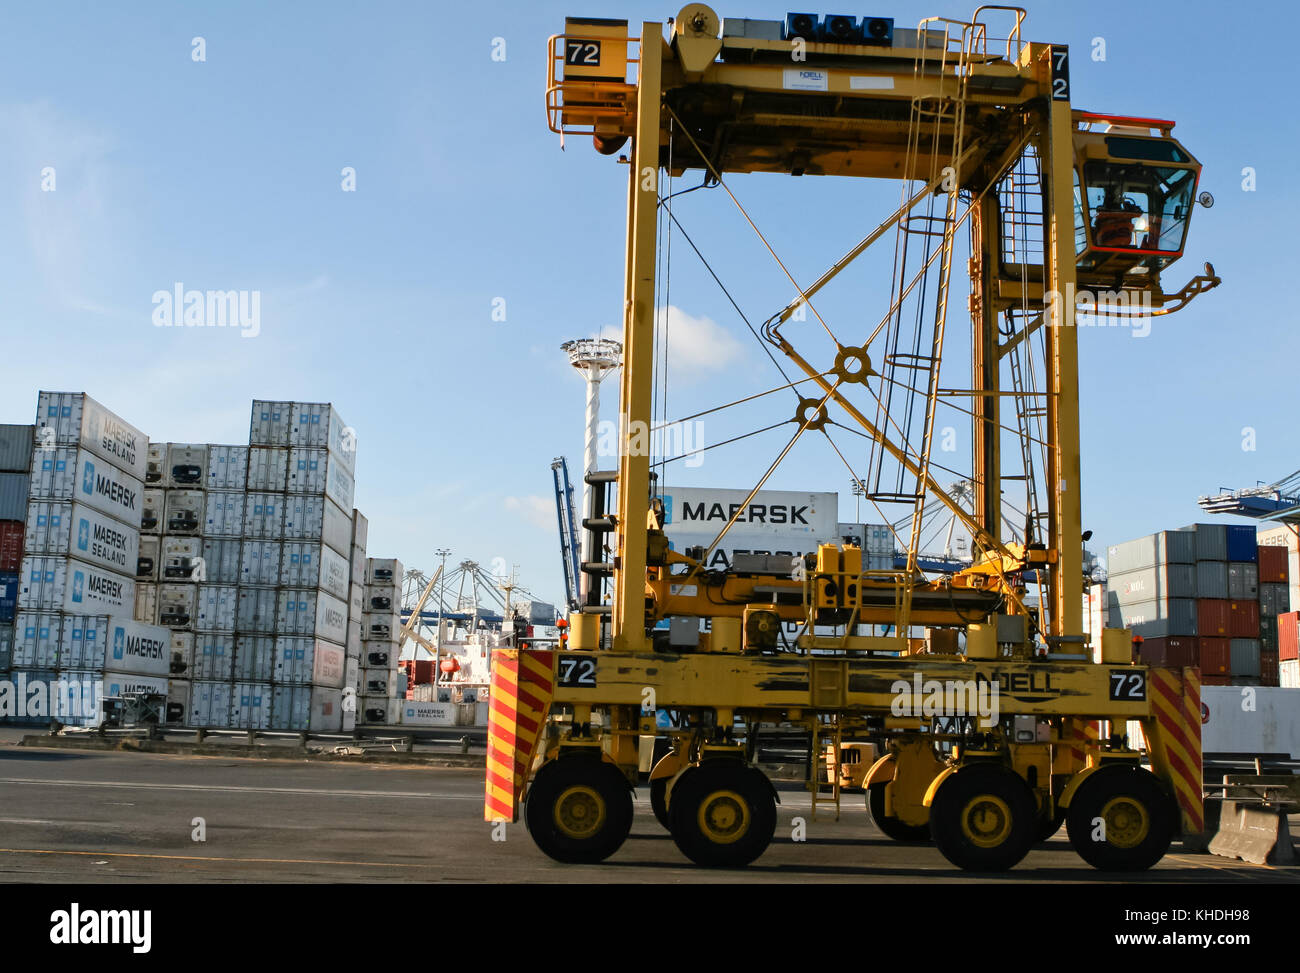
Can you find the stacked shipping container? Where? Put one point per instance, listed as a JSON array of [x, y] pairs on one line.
[[15, 478], [1195, 598], [382, 681], [73, 625]]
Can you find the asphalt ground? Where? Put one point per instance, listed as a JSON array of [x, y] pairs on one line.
[[110, 817]]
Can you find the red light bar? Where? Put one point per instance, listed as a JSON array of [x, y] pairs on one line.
[[1088, 116]]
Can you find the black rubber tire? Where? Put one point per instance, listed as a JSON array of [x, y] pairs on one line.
[[659, 801], [892, 827], [696, 794], [607, 787], [955, 798], [1138, 786]]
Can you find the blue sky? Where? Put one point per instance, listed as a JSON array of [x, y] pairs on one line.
[[226, 174]]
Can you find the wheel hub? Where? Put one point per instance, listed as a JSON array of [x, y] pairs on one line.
[[580, 812], [724, 817], [1127, 822], [986, 821]]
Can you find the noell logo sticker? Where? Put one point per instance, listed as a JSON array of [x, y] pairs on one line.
[[127, 927]]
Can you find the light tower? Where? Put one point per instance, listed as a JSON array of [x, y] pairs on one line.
[[595, 358]]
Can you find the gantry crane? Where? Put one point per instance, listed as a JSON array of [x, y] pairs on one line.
[[1066, 212]]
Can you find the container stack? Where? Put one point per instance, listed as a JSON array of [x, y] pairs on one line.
[[1288, 649], [73, 624], [1275, 584], [356, 619], [15, 479], [383, 682], [1194, 597]]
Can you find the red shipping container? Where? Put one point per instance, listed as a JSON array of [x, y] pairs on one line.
[[1273, 564], [1172, 651], [1216, 680], [1268, 669], [1243, 620], [1212, 618], [1216, 658], [11, 544], [1288, 635]]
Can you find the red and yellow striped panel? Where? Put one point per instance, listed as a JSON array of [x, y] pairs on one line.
[[523, 683], [1085, 735], [1174, 739]]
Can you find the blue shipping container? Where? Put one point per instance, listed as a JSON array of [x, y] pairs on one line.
[[1242, 545], [8, 596]]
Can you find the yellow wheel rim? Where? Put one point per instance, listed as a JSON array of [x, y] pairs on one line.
[[1127, 821], [723, 817], [986, 821], [579, 812]]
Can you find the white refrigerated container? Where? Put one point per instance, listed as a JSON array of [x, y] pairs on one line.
[[78, 420], [70, 585]]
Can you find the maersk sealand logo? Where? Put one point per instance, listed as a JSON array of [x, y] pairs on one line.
[[88, 480], [78, 585], [83, 534], [119, 642]]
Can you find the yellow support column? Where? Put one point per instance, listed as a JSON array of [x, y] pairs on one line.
[[1062, 354], [628, 616]]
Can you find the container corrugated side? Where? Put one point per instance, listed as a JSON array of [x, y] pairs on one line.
[[360, 529], [37, 639], [16, 448], [227, 467], [257, 609], [66, 474], [1153, 584], [1243, 580], [308, 517], [301, 611], [1165, 547], [1245, 657], [251, 705], [221, 560], [1211, 579], [224, 514], [290, 707], [268, 469], [314, 565], [1288, 672], [217, 608], [259, 562], [77, 419], [1211, 541], [1241, 543], [210, 704], [66, 584], [255, 658], [319, 471], [326, 710], [214, 657], [319, 424], [264, 515], [15, 488], [1156, 619], [62, 527], [302, 660], [269, 423]]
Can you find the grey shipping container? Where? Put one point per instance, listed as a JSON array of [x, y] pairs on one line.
[[1211, 541], [1274, 599], [14, 488], [1244, 656], [1151, 584], [1211, 579], [1243, 580], [16, 448], [1165, 547], [1155, 619], [270, 423]]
